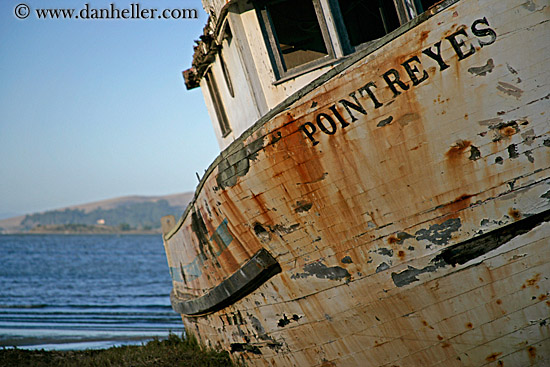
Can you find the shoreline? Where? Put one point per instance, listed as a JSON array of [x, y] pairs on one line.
[[82, 230], [78, 233], [50, 343], [172, 351]]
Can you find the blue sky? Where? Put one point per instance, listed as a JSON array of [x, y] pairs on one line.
[[96, 109]]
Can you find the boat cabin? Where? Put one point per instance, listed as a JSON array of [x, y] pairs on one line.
[[254, 54]]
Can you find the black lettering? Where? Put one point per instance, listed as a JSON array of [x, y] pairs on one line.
[[309, 132], [436, 56], [367, 88], [85, 13], [458, 44], [95, 14], [115, 13], [413, 70], [356, 106], [396, 81], [139, 11], [484, 32], [338, 116], [322, 125]]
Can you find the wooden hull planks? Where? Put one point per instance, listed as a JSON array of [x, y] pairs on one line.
[[400, 204]]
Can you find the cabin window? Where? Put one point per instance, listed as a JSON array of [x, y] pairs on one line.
[[367, 20], [226, 76], [298, 36], [217, 102], [228, 37]]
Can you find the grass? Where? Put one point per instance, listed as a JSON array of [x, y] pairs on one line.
[[172, 352]]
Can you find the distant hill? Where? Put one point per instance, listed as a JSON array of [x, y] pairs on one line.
[[124, 214]]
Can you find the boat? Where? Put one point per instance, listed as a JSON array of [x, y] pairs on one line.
[[382, 195]]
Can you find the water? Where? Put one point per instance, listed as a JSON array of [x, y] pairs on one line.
[[84, 291]]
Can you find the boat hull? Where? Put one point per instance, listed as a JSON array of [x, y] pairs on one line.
[[394, 212]]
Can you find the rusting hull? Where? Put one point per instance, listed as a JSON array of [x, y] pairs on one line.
[[395, 212]]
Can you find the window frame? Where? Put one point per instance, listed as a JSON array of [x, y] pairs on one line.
[[219, 109], [402, 11], [228, 38], [337, 44], [226, 76], [274, 51]]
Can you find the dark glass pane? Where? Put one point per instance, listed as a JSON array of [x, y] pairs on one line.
[[226, 76], [298, 31], [368, 20]]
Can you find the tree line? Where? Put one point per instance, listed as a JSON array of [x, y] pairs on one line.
[[145, 215]]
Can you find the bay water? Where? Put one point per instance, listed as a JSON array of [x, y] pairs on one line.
[[69, 292]]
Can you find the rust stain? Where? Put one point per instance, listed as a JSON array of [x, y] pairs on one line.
[[425, 323], [275, 137], [532, 282], [532, 352], [542, 297], [439, 337], [469, 325], [493, 357], [456, 150], [499, 301], [503, 130], [460, 203], [453, 29], [445, 345], [508, 131], [424, 35], [401, 254], [288, 118], [401, 59], [514, 214]]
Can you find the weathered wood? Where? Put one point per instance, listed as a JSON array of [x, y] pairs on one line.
[[405, 195], [167, 223], [247, 279]]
